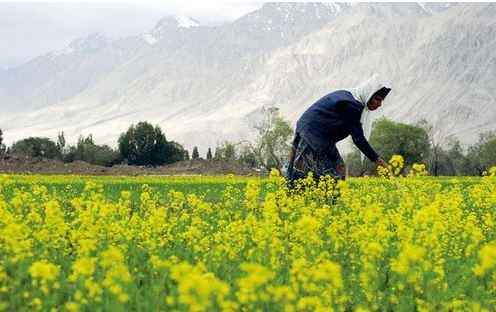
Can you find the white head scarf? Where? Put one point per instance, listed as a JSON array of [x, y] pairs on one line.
[[362, 93]]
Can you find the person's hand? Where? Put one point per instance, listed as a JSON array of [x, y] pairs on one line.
[[381, 163]]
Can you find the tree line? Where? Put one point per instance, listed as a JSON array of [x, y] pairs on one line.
[[146, 145], [142, 144], [442, 154]]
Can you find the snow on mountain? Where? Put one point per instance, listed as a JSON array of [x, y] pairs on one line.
[[166, 25], [61, 75], [53, 77], [206, 84], [436, 7], [441, 65], [279, 22], [187, 22], [90, 44]]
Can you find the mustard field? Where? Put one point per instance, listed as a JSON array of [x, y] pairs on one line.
[[85, 243]]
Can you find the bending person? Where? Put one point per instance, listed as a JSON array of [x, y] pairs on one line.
[[330, 120]]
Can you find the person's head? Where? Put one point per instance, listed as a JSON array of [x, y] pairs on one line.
[[376, 99], [372, 92]]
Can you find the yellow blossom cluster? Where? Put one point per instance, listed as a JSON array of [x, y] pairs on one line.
[[416, 243], [491, 172], [418, 170], [396, 164]]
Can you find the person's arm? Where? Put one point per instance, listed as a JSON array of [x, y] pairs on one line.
[[352, 118], [379, 162]]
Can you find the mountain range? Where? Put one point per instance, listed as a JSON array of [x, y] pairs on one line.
[[206, 83]]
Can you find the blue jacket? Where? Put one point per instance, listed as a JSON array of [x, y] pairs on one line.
[[330, 120]]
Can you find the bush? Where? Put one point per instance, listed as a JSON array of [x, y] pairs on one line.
[[36, 147], [86, 150]]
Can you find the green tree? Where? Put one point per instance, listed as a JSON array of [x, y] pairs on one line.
[[225, 149], [436, 138], [195, 154], [229, 150], [482, 154], [175, 153], [452, 161], [246, 155], [458, 158], [144, 144], [61, 142], [36, 147], [77, 152], [273, 136], [218, 153], [86, 150], [209, 153], [102, 155], [81, 144], [410, 141]]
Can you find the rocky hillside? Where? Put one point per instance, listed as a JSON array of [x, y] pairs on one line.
[[203, 84]]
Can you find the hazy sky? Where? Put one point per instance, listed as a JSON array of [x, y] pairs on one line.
[[31, 29]]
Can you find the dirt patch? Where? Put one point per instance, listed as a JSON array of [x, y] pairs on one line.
[[18, 163]]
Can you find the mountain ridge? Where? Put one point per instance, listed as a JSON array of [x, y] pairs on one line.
[[206, 84]]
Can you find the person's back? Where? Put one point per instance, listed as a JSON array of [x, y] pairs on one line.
[[326, 122]]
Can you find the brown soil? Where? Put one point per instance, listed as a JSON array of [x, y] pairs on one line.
[[18, 163]]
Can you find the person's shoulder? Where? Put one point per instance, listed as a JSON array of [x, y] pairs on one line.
[[340, 99], [343, 93], [346, 98], [339, 95]]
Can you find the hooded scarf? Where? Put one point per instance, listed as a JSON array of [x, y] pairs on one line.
[[362, 93]]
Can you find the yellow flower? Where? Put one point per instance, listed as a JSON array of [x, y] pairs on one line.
[[126, 195], [111, 256], [418, 170], [123, 298], [198, 289], [409, 254], [36, 303], [84, 266], [487, 257], [72, 306], [492, 171], [396, 164], [44, 270]]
